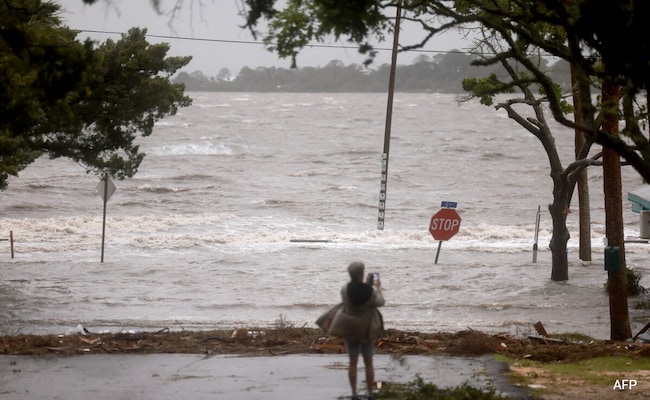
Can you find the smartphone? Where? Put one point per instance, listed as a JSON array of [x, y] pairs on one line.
[[375, 277]]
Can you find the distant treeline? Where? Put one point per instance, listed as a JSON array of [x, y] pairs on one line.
[[442, 73]]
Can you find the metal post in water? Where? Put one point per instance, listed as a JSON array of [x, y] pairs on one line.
[[11, 242], [105, 188], [438, 252], [389, 115], [105, 198], [536, 233]]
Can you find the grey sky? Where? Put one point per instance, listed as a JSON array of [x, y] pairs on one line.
[[213, 37]]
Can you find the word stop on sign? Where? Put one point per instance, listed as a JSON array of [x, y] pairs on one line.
[[445, 224]]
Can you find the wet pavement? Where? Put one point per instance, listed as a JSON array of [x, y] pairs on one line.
[[197, 377]]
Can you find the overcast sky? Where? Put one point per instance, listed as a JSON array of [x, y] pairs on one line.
[[213, 37]]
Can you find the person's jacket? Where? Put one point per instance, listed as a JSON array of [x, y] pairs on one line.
[[357, 317]]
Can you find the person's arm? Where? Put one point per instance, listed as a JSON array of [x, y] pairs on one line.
[[377, 299]]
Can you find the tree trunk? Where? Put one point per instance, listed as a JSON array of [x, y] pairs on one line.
[[560, 237], [616, 280], [582, 181], [584, 210]]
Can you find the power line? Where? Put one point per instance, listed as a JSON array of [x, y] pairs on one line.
[[252, 42]]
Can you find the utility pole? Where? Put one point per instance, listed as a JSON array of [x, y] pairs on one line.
[[612, 186], [389, 119]]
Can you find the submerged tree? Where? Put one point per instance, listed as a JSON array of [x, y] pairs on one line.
[[520, 77], [65, 98]]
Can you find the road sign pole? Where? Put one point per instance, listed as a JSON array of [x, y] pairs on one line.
[[105, 189], [536, 233], [438, 252], [105, 198]]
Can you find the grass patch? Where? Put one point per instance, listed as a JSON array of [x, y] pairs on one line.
[[560, 378], [419, 390], [599, 370]]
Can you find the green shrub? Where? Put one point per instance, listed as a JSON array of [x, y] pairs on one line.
[[633, 286], [632, 282]]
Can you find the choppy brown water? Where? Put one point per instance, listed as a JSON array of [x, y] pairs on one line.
[[248, 208]]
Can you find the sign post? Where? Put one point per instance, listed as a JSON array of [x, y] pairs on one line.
[[444, 224], [536, 233], [105, 188]]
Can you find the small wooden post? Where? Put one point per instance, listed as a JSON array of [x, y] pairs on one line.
[[11, 242], [540, 329]]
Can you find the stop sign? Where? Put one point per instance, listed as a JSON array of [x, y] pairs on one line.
[[444, 224]]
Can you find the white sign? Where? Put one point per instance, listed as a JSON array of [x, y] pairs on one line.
[[105, 189]]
